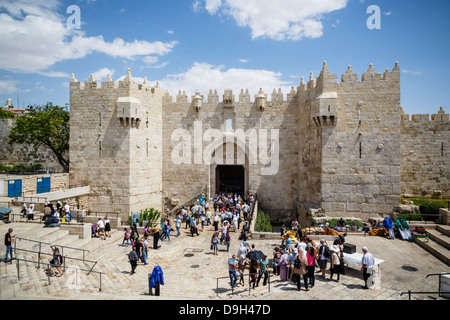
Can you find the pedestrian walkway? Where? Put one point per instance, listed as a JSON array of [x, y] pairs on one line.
[[191, 272]]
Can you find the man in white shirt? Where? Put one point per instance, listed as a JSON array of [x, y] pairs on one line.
[[66, 208], [101, 228], [367, 262]]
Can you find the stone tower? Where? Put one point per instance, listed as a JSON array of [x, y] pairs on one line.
[[115, 143]]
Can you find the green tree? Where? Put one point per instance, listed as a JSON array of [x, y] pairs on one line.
[[5, 114], [44, 126]]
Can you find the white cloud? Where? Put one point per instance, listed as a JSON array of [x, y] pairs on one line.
[[244, 60], [207, 77], [289, 20], [8, 86], [34, 38], [101, 74], [414, 73]]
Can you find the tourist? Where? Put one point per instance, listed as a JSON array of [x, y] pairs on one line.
[[144, 251], [294, 224], [253, 270], [216, 222], [215, 243], [203, 220], [156, 241], [276, 260], [30, 212], [133, 258], [66, 208], [291, 257], [187, 221], [208, 216], [8, 243], [339, 242], [335, 263], [178, 225], [228, 241], [126, 237], [367, 262], [284, 266], [282, 232], [232, 266], [107, 227], [56, 262], [24, 209], [194, 226], [47, 212], [324, 254], [224, 231], [184, 213], [243, 250], [138, 246], [101, 228], [263, 270], [241, 268], [311, 265], [300, 264]]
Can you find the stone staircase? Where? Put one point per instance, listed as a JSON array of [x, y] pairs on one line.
[[20, 279], [438, 243]]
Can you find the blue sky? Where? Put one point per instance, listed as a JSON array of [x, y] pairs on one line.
[[219, 44]]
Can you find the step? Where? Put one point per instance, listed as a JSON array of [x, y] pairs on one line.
[[440, 238], [444, 229], [434, 248]]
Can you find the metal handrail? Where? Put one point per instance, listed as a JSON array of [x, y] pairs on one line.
[[270, 273], [409, 292], [39, 253], [46, 243], [48, 264]]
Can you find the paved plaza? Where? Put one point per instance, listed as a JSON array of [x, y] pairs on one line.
[[192, 272]]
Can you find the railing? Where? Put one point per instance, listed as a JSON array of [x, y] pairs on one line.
[[48, 274], [269, 275], [439, 292], [49, 244]]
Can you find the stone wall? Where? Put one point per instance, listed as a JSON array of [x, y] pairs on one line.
[[115, 144], [185, 177], [21, 154], [342, 148], [58, 181], [425, 155], [357, 142]]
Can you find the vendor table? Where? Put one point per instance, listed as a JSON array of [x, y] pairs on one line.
[[374, 281]]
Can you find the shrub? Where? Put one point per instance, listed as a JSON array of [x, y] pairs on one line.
[[151, 215], [333, 222], [262, 223], [429, 211]]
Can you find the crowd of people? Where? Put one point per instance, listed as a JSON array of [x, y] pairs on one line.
[[226, 213], [62, 212], [296, 261]]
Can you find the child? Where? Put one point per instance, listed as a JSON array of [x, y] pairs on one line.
[[126, 237]]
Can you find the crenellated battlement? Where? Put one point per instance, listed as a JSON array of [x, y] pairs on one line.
[[327, 81], [108, 84], [425, 118], [228, 96]]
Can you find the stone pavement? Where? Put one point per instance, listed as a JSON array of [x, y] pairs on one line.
[[192, 272]]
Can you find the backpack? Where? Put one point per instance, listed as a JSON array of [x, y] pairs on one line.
[[326, 252], [297, 263]]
